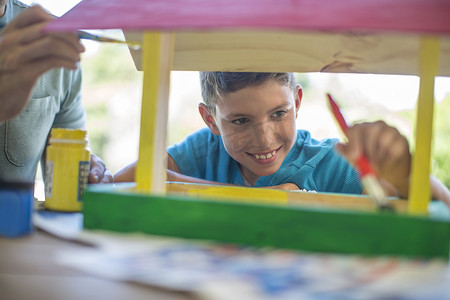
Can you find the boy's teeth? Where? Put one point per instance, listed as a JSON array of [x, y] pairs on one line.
[[262, 156]]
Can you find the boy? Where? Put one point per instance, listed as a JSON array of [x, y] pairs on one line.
[[252, 140]]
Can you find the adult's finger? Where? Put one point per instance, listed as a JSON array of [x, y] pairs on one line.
[[39, 67], [49, 46], [37, 31], [40, 49], [16, 86], [30, 25], [30, 16]]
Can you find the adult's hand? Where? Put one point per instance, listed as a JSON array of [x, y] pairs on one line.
[[98, 172], [27, 52]]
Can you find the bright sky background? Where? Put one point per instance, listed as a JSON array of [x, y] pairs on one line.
[[56, 7]]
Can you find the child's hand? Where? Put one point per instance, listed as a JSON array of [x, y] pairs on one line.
[[385, 148], [285, 186], [98, 172]]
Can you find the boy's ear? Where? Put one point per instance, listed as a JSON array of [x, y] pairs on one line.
[[208, 118], [298, 98]]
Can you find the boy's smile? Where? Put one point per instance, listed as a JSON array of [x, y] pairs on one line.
[[257, 126], [265, 157]]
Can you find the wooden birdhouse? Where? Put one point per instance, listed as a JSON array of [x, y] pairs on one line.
[[371, 36]]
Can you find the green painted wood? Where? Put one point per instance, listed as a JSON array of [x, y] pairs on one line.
[[319, 230]]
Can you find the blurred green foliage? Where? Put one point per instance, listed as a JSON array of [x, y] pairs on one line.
[[112, 64], [304, 80], [441, 157], [440, 165], [111, 67], [97, 125]]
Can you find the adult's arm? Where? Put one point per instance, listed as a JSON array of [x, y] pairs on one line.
[[27, 52]]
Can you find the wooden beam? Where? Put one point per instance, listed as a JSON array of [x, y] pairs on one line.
[[291, 51], [419, 190], [271, 196], [150, 170], [282, 226]]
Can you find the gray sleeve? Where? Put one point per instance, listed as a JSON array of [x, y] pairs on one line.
[[72, 113]]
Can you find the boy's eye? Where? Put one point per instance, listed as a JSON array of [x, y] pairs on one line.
[[240, 121], [279, 114]]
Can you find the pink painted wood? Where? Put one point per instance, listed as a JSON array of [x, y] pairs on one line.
[[430, 16]]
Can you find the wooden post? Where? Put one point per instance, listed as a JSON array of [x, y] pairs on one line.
[[157, 60], [419, 190]]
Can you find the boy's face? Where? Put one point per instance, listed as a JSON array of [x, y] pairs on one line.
[[257, 125]]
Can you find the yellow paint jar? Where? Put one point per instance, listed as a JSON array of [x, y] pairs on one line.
[[66, 169]]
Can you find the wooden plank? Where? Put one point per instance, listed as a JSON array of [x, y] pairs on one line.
[[321, 230], [420, 178], [277, 51], [429, 16], [231, 193], [150, 170], [271, 196]]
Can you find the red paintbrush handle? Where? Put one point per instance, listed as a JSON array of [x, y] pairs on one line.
[[364, 167], [337, 114]]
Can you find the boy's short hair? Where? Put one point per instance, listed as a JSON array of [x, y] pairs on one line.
[[215, 85]]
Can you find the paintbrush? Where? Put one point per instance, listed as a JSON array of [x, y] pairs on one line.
[[367, 174], [93, 37], [89, 36]]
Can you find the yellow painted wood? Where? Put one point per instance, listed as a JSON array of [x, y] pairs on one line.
[[420, 178], [150, 170], [291, 51], [150, 62], [232, 193], [271, 196]]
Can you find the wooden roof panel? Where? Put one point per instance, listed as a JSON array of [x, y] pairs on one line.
[[431, 16]]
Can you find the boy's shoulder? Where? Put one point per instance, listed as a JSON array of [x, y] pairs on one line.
[[203, 134], [304, 138], [310, 151], [317, 154], [203, 137]]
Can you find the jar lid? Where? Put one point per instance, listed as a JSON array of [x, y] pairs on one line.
[[70, 134]]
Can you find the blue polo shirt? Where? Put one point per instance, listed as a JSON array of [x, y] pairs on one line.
[[311, 164]]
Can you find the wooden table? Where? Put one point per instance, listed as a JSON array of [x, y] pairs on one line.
[[28, 271]]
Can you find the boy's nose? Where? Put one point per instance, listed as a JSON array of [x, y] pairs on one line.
[[264, 135]]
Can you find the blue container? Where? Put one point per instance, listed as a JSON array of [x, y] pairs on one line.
[[16, 206]]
